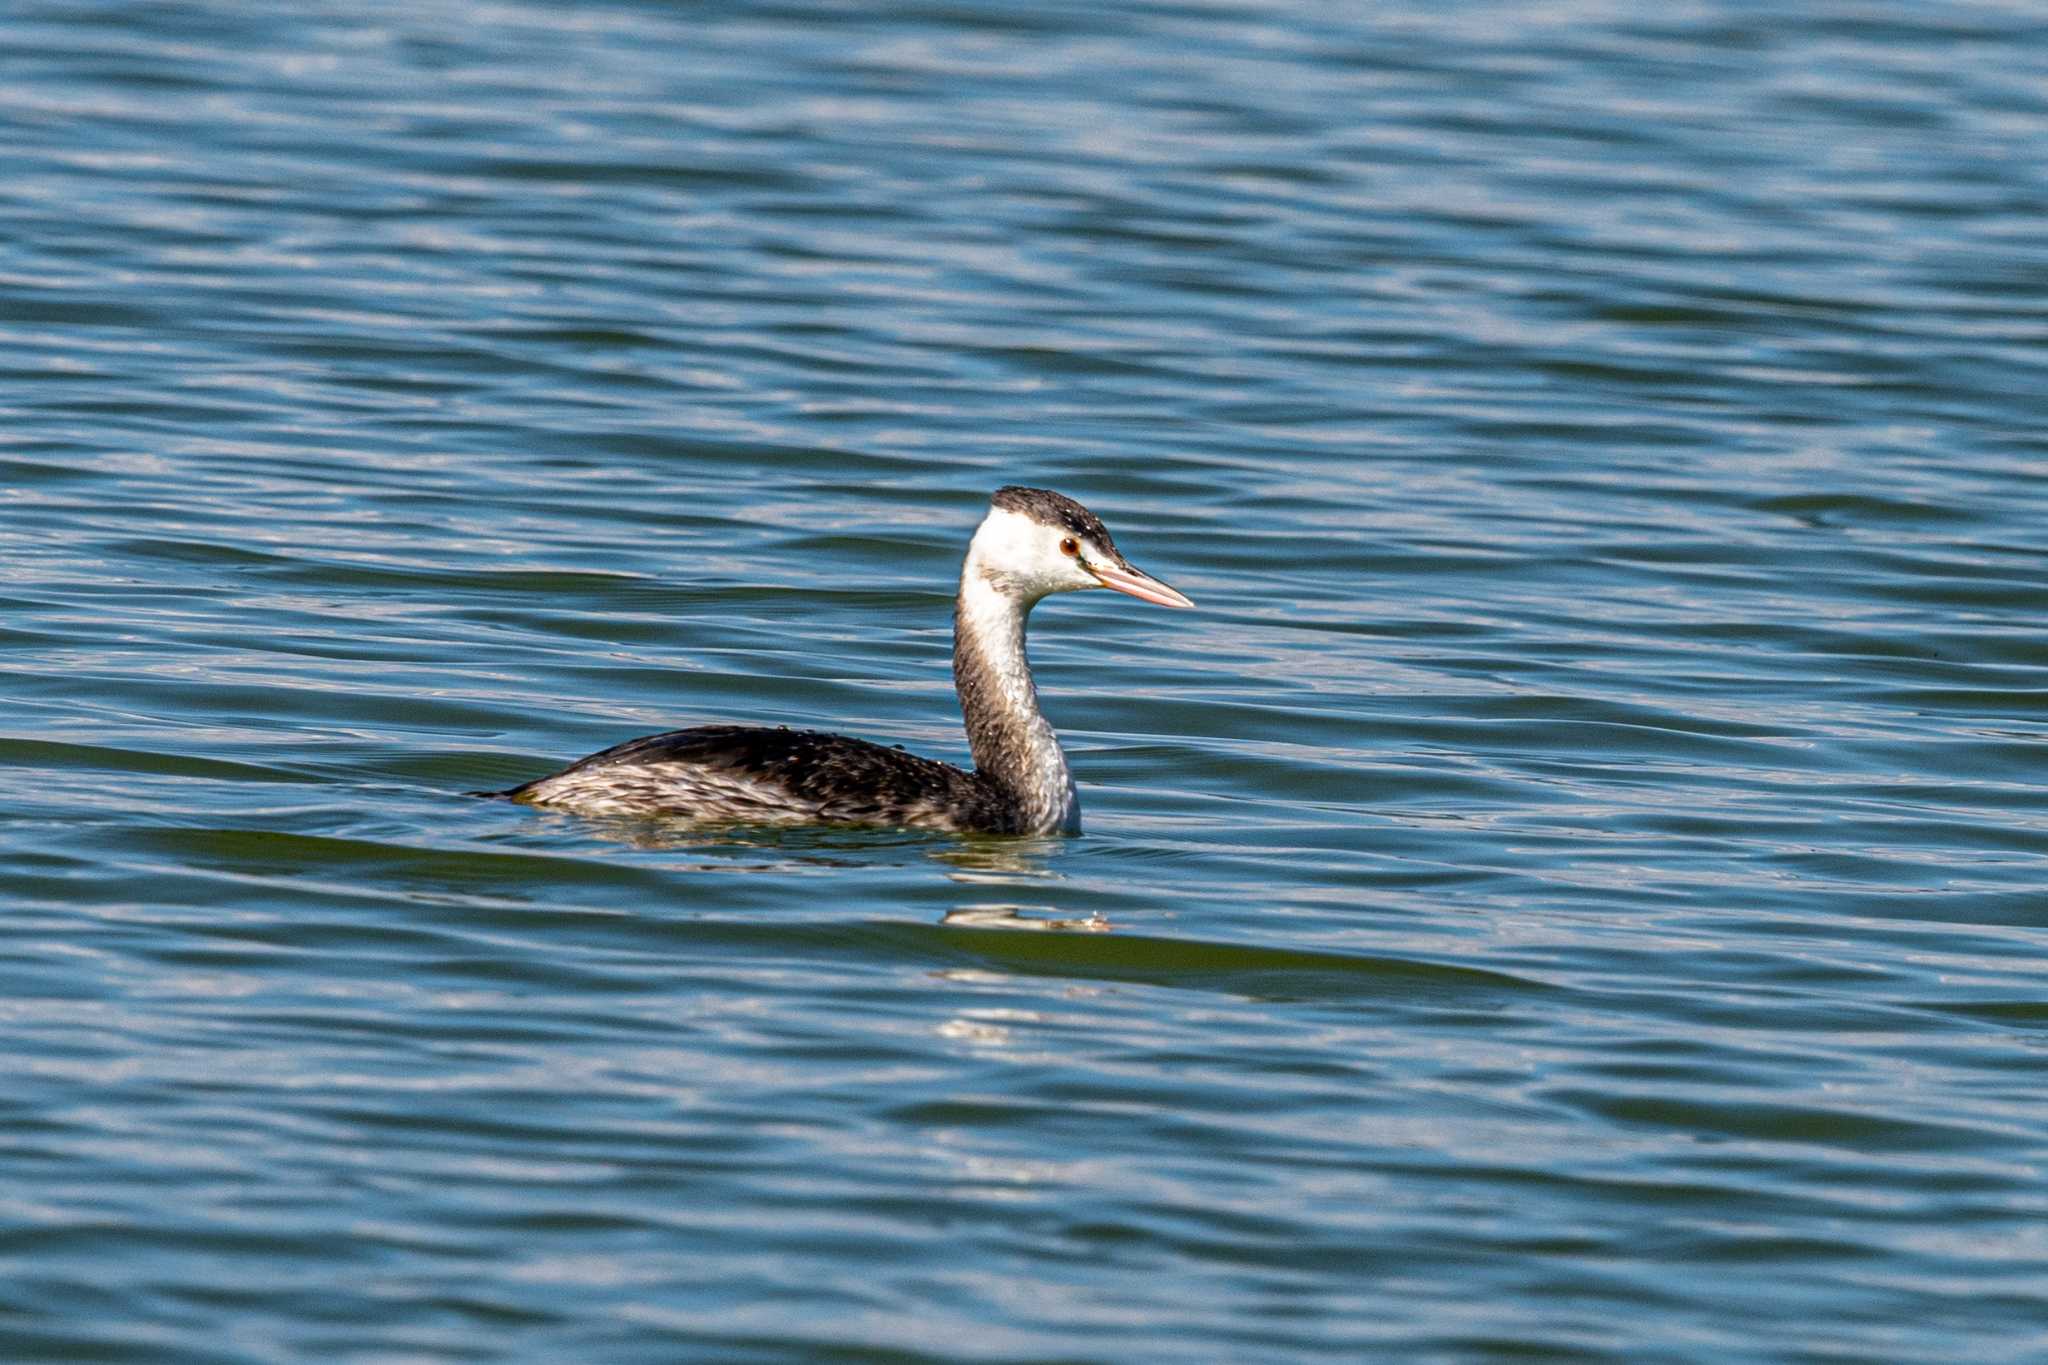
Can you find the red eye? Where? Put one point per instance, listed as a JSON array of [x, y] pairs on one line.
[[1070, 547]]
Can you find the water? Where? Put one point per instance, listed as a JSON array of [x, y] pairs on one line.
[[1576, 889]]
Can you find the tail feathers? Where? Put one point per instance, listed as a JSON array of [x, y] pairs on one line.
[[508, 794]]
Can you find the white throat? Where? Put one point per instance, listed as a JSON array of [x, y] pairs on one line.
[[1013, 743]]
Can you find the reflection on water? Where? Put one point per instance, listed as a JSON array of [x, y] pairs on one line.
[[1011, 863], [997, 916], [795, 850]]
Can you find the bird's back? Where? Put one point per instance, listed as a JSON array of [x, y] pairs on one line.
[[761, 775]]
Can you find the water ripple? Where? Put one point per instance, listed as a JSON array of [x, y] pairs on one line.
[[1591, 832]]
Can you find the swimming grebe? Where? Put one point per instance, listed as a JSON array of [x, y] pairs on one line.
[[1033, 543]]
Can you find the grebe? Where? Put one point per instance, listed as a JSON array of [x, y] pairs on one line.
[[1032, 543]]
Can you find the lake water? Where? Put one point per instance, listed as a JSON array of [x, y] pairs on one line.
[[1578, 888]]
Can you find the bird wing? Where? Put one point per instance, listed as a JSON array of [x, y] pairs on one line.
[[739, 772]]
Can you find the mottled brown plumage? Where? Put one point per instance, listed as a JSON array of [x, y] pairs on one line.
[[751, 774]]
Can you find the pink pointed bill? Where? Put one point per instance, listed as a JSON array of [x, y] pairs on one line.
[[1142, 586]]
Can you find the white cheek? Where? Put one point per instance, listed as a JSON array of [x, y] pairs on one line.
[[1023, 556], [1047, 576], [1059, 571], [1008, 538], [1073, 578]]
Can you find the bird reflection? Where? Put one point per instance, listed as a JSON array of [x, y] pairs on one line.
[[1020, 917], [1016, 863], [1010, 862]]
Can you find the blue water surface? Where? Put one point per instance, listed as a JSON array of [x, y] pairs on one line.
[[1575, 890]]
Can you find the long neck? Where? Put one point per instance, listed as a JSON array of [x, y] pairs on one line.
[[1013, 743]]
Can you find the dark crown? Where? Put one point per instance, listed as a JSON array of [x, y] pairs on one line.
[[1054, 509]]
